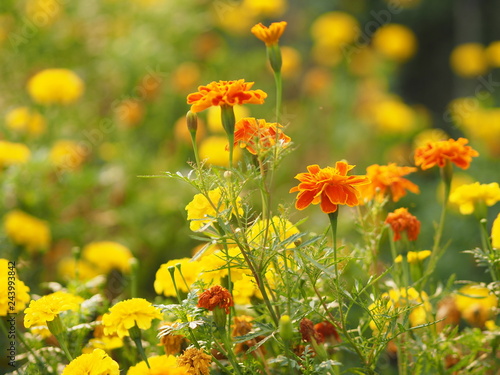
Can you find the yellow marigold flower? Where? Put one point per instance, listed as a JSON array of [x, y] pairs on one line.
[[202, 210], [269, 35], [55, 86], [495, 233], [279, 230], [96, 363], [128, 313], [244, 289], [26, 120], [396, 42], [163, 281], [47, 308], [441, 152], [388, 180], [213, 151], [68, 268], [159, 365], [102, 341], [469, 60], [468, 196], [328, 186], [67, 155], [26, 230], [214, 266], [214, 117], [108, 255], [12, 290], [13, 153], [335, 29], [493, 54], [476, 304], [265, 8], [196, 361], [393, 116], [223, 93]]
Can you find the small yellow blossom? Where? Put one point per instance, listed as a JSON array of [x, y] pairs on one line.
[[129, 313], [108, 255], [414, 257], [163, 281], [196, 361], [202, 211], [269, 35], [159, 365], [495, 233], [392, 116], [292, 62], [244, 289], [67, 155], [214, 266], [265, 8], [12, 290], [96, 363], [55, 86], [47, 308], [335, 29], [26, 230], [469, 60], [468, 196], [13, 153], [476, 304], [26, 120], [396, 42]]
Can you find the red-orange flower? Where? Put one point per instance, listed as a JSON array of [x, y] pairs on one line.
[[387, 179], [225, 93], [306, 328], [440, 152], [401, 220], [328, 186], [256, 135], [269, 35], [326, 330], [216, 296]]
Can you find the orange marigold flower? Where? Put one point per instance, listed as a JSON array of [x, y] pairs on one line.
[[216, 296], [269, 35], [439, 152], [401, 220], [327, 330], [255, 135], [227, 93], [387, 179], [328, 186]]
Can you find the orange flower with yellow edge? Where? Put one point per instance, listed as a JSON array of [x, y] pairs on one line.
[[440, 152], [258, 135], [269, 35], [328, 186], [225, 93], [387, 179], [402, 221]]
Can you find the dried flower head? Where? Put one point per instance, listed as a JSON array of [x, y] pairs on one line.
[[438, 153], [227, 93], [400, 221], [306, 328], [196, 361], [170, 341], [216, 296], [387, 179], [328, 186], [269, 35], [258, 136]]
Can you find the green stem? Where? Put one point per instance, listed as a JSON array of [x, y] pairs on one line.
[[228, 122], [279, 94], [486, 243]]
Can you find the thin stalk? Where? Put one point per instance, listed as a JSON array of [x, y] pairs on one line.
[[279, 94], [487, 246]]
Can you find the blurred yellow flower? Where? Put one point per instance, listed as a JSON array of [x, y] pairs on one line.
[[396, 42], [13, 290], [493, 54], [67, 155], [213, 151], [163, 281], [129, 113], [159, 365], [263, 234], [129, 313], [244, 289], [96, 363], [394, 117], [214, 117], [468, 196], [469, 60], [47, 308], [495, 233], [415, 257], [265, 8], [69, 269], [108, 255], [26, 120], [55, 86], [13, 153], [335, 29], [26, 230], [476, 304], [235, 18], [317, 80], [43, 13], [185, 77], [292, 62], [429, 135], [214, 266]]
